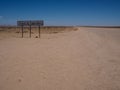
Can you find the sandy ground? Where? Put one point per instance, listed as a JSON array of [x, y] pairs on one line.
[[86, 59]]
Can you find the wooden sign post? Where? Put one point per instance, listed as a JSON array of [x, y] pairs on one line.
[[39, 31], [22, 31], [30, 23], [30, 31]]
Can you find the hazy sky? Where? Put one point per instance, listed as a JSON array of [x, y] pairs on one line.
[[61, 12]]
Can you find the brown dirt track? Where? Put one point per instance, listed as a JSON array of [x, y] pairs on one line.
[[83, 59]]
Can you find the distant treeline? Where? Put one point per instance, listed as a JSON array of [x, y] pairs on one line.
[[101, 26], [34, 26], [9, 27]]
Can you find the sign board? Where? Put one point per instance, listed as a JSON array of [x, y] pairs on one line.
[[30, 23]]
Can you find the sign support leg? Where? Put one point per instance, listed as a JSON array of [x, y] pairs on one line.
[[39, 32], [22, 31], [30, 31]]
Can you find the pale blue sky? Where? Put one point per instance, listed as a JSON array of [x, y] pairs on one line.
[[61, 12]]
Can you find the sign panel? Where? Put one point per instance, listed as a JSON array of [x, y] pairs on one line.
[[30, 22]]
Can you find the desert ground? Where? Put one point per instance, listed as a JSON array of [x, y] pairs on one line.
[[79, 58]]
